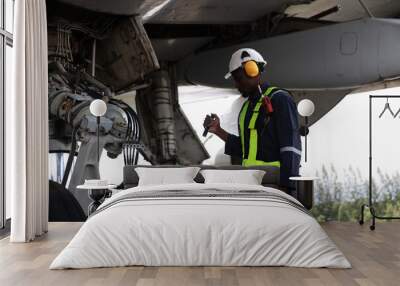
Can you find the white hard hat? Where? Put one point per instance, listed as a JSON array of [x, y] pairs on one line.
[[241, 56]]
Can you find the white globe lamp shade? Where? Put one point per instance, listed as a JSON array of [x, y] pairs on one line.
[[306, 107], [98, 107]]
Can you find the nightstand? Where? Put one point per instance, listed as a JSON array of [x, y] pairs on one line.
[[97, 194], [305, 190]]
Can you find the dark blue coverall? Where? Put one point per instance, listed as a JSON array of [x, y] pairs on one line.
[[278, 136]]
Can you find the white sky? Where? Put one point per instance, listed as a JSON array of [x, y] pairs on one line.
[[197, 102]]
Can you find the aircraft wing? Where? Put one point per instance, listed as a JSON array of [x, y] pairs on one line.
[[178, 28], [327, 38]]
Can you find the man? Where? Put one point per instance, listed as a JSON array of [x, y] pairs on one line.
[[268, 122]]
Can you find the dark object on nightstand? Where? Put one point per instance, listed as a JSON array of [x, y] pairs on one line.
[[305, 190], [98, 196], [305, 193]]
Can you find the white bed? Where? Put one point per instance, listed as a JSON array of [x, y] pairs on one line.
[[224, 225]]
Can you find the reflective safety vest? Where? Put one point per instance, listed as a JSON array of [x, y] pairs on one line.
[[251, 159]]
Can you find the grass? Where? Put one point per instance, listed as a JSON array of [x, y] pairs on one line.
[[340, 200]]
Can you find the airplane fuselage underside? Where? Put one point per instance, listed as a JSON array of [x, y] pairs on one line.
[[344, 55]]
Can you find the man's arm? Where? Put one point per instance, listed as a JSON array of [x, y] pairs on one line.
[[221, 133], [288, 137], [233, 146]]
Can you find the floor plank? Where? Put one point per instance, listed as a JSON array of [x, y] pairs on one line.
[[375, 257]]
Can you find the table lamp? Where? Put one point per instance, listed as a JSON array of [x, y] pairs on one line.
[[98, 108], [305, 108]]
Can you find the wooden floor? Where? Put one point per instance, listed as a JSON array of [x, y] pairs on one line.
[[375, 257]]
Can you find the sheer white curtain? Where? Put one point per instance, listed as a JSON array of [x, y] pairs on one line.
[[27, 124]]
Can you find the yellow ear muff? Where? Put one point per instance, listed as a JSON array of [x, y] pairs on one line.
[[251, 68]]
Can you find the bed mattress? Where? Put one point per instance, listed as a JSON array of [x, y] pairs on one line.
[[201, 225]]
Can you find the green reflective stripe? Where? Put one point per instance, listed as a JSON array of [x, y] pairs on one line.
[[251, 159], [248, 163], [253, 145], [269, 90], [256, 109], [242, 117], [254, 117]]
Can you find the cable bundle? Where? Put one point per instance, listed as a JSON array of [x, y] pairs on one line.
[[131, 146]]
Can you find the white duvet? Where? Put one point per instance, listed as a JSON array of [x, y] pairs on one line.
[[200, 231]]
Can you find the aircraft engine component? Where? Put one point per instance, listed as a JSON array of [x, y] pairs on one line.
[[117, 51], [165, 129], [113, 47], [126, 56], [164, 116], [70, 95]]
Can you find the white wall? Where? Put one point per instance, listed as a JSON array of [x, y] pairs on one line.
[[341, 137]]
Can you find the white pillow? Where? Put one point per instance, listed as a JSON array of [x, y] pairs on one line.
[[162, 176], [248, 177]]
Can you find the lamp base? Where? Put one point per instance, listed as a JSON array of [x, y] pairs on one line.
[[98, 196], [304, 130]]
